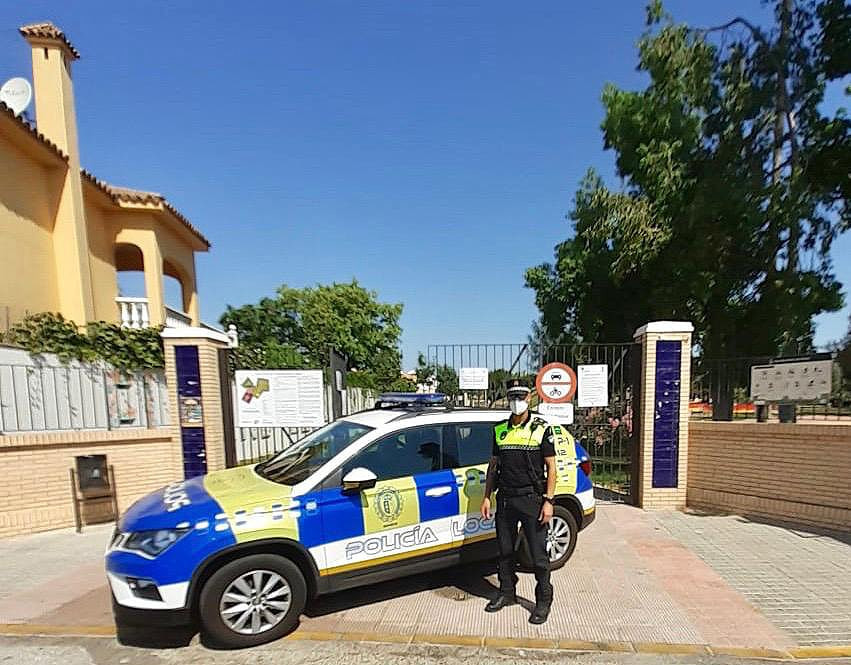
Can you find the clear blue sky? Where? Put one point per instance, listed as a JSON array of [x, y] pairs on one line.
[[430, 149]]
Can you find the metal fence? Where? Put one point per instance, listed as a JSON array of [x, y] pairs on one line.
[[720, 390], [42, 394], [607, 432]]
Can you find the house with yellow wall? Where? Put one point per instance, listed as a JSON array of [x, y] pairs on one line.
[[65, 234]]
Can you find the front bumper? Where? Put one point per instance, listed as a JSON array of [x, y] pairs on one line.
[[171, 596], [134, 616]]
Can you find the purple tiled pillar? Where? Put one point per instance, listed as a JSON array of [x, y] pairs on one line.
[[666, 414]]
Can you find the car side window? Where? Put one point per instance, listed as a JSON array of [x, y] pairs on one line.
[[475, 443], [404, 453]]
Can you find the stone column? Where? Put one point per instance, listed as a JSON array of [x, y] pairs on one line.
[[194, 374], [662, 442]]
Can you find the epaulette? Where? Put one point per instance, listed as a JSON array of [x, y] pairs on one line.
[[539, 422]]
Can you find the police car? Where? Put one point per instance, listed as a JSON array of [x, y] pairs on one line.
[[380, 494]]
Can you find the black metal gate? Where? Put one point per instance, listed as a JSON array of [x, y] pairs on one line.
[[608, 433]]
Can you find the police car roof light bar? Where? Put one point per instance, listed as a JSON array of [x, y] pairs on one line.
[[389, 400]]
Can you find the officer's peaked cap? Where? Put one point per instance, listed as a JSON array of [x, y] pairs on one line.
[[516, 387]]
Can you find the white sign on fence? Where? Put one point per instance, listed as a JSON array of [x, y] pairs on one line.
[[473, 378], [563, 412], [593, 385], [805, 380], [280, 398]]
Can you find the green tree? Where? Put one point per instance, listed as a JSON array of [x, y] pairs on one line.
[[297, 327], [445, 377], [734, 186]]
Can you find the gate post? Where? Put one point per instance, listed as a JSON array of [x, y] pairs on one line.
[[193, 372], [662, 440]]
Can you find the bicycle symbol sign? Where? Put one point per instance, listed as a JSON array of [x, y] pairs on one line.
[[556, 383]]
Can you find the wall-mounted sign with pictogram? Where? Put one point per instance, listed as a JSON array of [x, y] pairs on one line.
[[555, 383]]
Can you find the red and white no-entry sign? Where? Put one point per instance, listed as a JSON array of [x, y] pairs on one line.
[[556, 383]]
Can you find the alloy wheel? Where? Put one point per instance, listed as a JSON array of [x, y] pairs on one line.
[[255, 602], [558, 538]]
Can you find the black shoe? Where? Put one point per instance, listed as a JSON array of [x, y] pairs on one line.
[[540, 614], [501, 600]]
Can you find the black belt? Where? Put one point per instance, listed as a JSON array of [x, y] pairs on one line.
[[512, 492]]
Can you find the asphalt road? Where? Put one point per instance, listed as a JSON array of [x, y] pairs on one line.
[[106, 651]]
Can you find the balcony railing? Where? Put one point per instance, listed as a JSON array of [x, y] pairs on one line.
[[176, 319], [135, 313]]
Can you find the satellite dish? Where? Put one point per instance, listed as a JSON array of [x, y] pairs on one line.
[[16, 93]]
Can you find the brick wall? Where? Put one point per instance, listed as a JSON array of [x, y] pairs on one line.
[[35, 493], [794, 472]]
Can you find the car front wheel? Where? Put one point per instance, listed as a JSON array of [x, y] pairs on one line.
[[253, 600]]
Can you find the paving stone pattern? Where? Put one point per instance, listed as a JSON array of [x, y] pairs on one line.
[[635, 577], [43, 571], [627, 581], [799, 579]]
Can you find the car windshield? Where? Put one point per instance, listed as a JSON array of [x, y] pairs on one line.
[[297, 462]]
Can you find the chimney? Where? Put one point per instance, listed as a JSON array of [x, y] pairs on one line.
[[52, 55], [56, 118]]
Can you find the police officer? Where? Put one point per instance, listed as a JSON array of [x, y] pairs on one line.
[[522, 448]]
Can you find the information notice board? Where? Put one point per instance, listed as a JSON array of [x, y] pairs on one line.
[[792, 381], [280, 398]]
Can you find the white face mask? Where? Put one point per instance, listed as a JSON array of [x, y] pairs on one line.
[[518, 406]]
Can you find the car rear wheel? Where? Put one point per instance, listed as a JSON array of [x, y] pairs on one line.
[[561, 541], [252, 600]]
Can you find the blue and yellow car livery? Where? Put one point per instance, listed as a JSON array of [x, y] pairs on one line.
[[170, 542]]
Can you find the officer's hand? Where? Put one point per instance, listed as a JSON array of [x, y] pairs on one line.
[[546, 513], [486, 508]]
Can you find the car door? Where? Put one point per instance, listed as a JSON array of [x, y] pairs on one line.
[[407, 514], [467, 451]]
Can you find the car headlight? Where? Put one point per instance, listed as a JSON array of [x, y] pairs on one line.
[[153, 542]]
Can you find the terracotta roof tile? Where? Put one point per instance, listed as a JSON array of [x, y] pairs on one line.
[[33, 131], [138, 196], [47, 30]]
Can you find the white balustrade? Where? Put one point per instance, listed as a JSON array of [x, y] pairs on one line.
[[176, 319], [133, 312]]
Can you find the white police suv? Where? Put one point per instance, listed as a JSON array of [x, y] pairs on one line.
[[379, 494]]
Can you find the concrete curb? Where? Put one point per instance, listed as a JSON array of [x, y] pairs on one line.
[[794, 653]]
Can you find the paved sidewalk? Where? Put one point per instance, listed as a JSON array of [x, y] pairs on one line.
[[44, 572], [636, 577], [799, 579]]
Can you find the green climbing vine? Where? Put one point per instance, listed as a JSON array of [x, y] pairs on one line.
[[123, 348]]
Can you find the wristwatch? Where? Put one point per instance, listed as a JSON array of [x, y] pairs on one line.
[[548, 499]]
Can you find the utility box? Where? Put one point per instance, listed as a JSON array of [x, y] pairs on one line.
[[93, 491]]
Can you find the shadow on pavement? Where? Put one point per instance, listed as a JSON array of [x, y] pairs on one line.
[[466, 579], [607, 495], [801, 530], [155, 637], [458, 583]]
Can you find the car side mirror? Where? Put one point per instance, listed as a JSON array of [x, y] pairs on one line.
[[359, 479]]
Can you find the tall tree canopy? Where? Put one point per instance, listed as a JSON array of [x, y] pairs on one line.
[[297, 327], [735, 181]]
